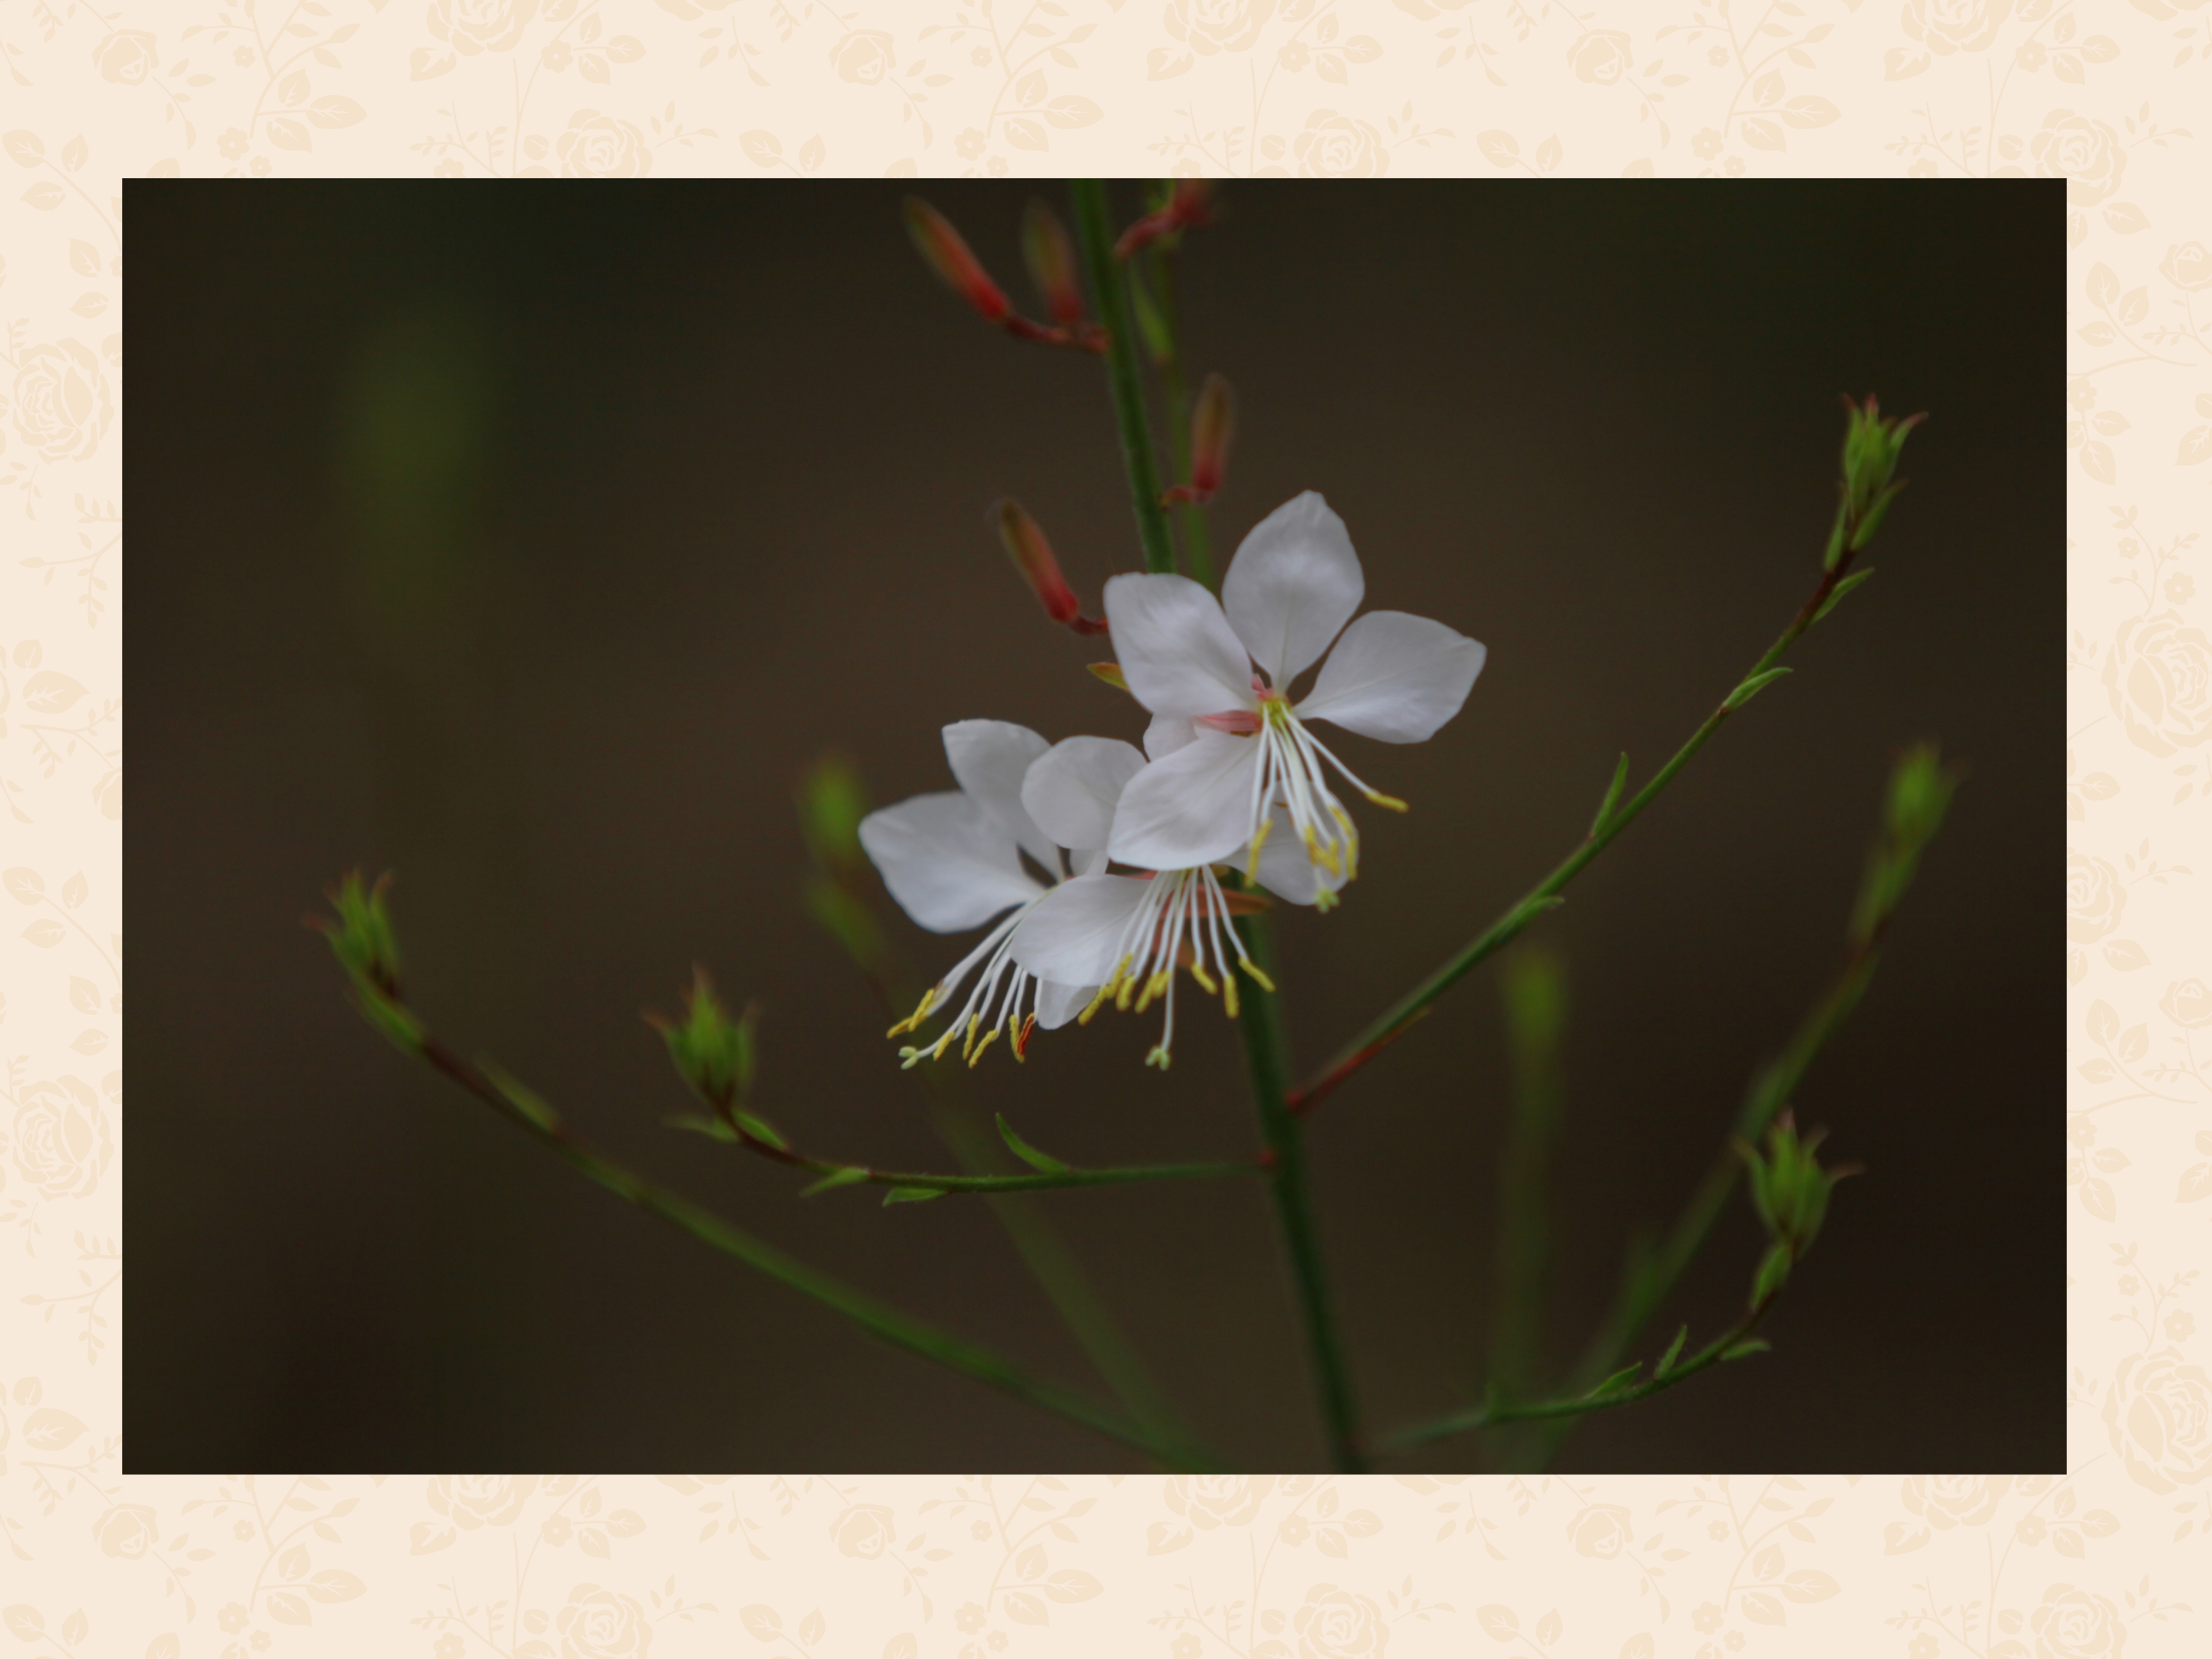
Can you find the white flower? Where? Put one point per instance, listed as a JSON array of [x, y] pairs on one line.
[[953, 861], [1127, 934], [1226, 743]]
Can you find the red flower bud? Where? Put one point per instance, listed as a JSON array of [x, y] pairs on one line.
[[1032, 556], [1211, 425], [1190, 203], [1051, 259], [950, 258]]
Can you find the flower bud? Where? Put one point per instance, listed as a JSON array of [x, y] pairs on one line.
[[950, 258], [1871, 446], [1190, 203], [1032, 556], [1789, 1189], [362, 935], [1211, 425], [832, 801], [714, 1053], [1920, 791], [1051, 259]]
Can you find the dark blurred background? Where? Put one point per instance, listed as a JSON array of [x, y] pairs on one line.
[[533, 543]]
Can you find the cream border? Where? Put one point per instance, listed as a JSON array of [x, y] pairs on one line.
[[2078, 1568]]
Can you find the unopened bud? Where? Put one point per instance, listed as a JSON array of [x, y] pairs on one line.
[[1871, 444], [362, 935], [1032, 556], [1211, 425], [950, 258], [1790, 1190], [1190, 203], [832, 801], [1051, 259], [714, 1053], [1920, 791]]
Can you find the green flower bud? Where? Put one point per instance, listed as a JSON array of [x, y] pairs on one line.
[[832, 801], [1789, 1189], [362, 935], [714, 1053], [1872, 444]]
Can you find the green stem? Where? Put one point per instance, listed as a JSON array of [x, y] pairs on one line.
[[1535, 1018], [1487, 1417], [859, 1175], [1059, 1274], [901, 1331], [1267, 1058], [1094, 231], [1380, 1034]]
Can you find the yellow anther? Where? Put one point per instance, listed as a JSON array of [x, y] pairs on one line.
[[989, 1038], [1253, 969], [1113, 981], [1324, 901], [1324, 856], [1198, 972], [1158, 1057], [1161, 979], [1229, 993], [1350, 842], [1014, 1035], [909, 1058], [1382, 800], [968, 1047], [913, 1020], [1126, 990]]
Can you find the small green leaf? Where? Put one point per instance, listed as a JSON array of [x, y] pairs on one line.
[[1043, 1163], [712, 1128], [521, 1097], [759, 1129], [1612, 797], [1619, 1379], [1773, 1273], [844, 1177], [1744, 1349], [1674, 1351], [1751, 687], [911, 1195], [1835, 596], [388, 1017]]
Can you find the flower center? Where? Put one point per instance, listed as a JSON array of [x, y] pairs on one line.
[[1182, 922]]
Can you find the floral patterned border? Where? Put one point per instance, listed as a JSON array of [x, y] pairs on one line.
[[2084, 1566]]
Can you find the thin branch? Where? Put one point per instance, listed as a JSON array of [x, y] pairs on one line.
[[524, 1109], [1393, 1024], [1491, 1416]]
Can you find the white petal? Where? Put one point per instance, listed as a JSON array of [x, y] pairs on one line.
[[989, 759], [946, 861], [1285, 869], [1057, 1004], [1074, 934], [1167, 733], [1394, 676], [1190, 809], [1070, 791], [1295, 581], [1087, 861], [1175, 647]]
